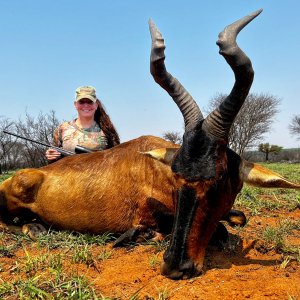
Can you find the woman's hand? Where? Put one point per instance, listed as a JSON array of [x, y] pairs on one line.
[[52, 154]]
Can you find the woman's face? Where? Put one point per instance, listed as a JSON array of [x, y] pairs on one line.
[[85, 108]]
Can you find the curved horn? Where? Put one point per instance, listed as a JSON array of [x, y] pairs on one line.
[[219, 121], [187, 105]]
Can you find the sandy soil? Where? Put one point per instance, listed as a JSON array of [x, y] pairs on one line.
[[247, 268]]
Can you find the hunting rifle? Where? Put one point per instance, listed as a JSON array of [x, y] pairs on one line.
[[78, 149]]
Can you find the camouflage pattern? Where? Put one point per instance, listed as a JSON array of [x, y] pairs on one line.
[[68, 135]]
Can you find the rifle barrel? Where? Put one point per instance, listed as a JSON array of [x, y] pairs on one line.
[[62, 151]]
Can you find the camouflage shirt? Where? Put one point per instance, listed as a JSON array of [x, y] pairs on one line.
[[68, 135]]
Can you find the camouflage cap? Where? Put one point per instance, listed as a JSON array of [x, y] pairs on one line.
[[86, 92]]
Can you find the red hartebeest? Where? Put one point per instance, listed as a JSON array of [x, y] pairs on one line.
[[132, 189], [209, 175]]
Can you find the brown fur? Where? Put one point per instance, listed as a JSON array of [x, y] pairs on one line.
[[113, 190], [98, 192], [102, 191]]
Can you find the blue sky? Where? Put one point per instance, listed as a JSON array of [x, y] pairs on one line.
[[49, 48]]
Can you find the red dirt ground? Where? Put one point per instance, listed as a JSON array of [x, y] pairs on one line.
[[245, 269]]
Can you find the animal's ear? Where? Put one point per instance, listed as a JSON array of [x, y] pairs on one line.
[[262, 177], [164, 155]]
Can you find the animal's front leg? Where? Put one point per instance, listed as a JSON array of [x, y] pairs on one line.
[[137, 234], [152, 221], [220, 236], [234, 218]]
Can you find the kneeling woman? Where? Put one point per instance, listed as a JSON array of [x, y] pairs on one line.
[[92, 128]]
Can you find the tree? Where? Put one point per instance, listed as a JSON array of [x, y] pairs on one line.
[[18, 153], [267, 149], [5, 144], [173, 136], [253, 121], [295, 126], [38, 128]]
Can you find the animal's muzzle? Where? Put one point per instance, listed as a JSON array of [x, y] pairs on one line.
[[184, 270]]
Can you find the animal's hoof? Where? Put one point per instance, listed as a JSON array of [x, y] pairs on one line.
[[126, 238], [34, 230], [138, 234], [236, 218]]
